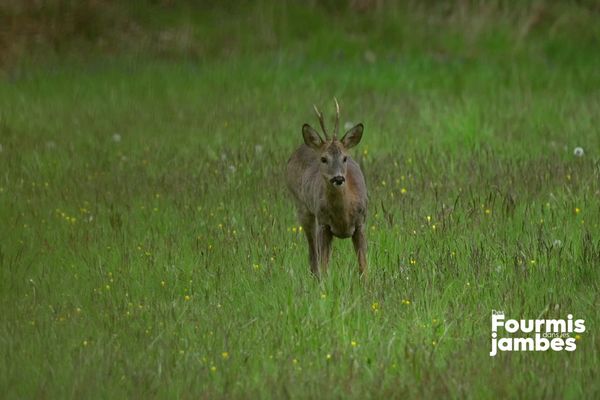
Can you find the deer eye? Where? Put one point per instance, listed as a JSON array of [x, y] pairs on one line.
[[323, 160], [345, 158]]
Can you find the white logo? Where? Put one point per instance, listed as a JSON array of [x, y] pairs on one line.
[[554, 334]]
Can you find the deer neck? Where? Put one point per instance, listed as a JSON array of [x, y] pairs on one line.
[[338, 198]]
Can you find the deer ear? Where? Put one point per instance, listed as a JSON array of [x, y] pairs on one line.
[[353, 136], [311, 137]]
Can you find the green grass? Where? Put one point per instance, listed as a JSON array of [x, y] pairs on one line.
[[129, 268]]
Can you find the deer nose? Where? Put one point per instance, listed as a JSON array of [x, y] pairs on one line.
[[338, 180]]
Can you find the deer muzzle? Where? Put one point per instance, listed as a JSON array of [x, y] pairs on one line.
[[338, 180]]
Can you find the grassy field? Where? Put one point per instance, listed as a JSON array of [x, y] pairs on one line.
[[149, 247]]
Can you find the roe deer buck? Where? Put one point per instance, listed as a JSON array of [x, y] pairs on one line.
[[330, 192]]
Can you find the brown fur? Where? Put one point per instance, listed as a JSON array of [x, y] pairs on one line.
[[325, 209]]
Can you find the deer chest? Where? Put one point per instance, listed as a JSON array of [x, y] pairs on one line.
[[340, 226]]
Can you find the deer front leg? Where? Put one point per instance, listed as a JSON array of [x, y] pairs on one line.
[[308, 223], [324, 238], [360, 246]]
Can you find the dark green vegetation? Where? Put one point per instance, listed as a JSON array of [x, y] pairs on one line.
[[149, 249]]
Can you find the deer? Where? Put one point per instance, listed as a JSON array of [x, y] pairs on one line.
[[329, 191]]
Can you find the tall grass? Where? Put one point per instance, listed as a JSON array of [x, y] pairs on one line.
[[150, 249]]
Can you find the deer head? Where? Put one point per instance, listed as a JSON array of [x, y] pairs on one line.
[[332, 153]]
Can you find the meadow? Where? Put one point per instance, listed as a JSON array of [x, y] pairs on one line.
[[149, 247]]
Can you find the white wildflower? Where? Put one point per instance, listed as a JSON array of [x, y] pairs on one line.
[[370, 57]]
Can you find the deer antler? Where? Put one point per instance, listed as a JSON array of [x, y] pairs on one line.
[[321, 121], [337, 118]]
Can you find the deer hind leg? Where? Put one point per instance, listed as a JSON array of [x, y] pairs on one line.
[[325, 238], [308, 223], [360, 246]]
